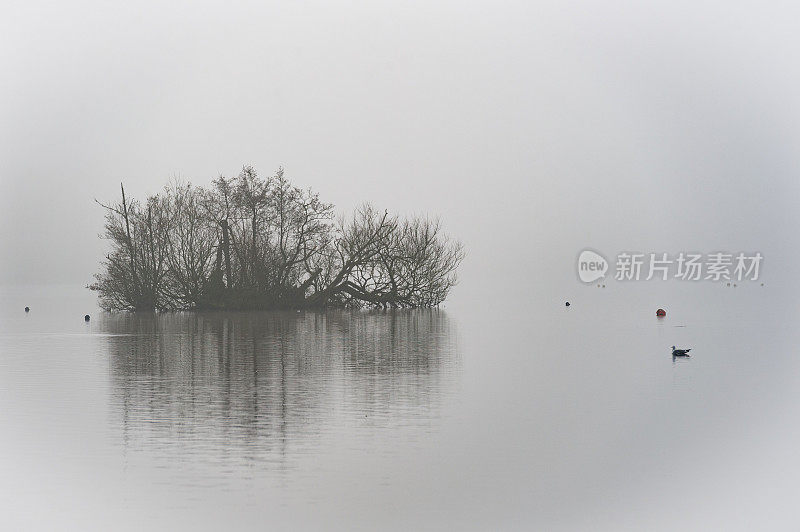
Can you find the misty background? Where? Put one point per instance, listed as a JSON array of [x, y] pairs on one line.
[[533, 129]]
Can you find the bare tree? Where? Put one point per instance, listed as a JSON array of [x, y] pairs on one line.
[[252, 242], [192, 240], [303, 230], [356, 245], [135, 269]]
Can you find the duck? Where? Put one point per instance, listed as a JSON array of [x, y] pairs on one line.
[[680, 352]]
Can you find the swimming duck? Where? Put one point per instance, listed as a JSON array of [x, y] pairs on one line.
[[680, 352]]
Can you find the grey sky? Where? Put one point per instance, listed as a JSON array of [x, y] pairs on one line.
[[533, 129]]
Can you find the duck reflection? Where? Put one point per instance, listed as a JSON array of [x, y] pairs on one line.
[[270, 384]]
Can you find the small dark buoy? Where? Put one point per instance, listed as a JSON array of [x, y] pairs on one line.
[[86, 318], [661, 313], [567, 303], [28, 309]]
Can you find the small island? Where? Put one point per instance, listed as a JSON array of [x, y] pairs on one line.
[[261, 243]]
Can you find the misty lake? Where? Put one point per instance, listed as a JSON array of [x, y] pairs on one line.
[[479, 416]]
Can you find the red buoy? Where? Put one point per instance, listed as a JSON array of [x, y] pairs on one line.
[[661, 313]]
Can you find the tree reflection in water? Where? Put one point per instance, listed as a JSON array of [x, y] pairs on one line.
[[268, 386]]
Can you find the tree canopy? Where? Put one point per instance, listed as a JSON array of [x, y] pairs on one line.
[[252, 242]]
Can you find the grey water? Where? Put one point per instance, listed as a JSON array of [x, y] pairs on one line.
[[485, 415]]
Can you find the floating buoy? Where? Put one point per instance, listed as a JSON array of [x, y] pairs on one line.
[[28, 309], [567, 303], [86, 318], [661, 313]]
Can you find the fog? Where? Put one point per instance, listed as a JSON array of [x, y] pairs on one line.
[[533, 129]]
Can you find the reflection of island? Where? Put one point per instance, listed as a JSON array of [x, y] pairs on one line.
[[266, 384]]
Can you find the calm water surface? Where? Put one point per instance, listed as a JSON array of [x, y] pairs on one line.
[[482, 416]]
